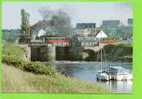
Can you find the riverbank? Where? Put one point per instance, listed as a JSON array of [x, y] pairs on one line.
[[20, 75], [80, 62], [15, 80]]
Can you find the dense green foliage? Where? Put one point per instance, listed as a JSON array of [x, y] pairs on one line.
[[34, 67], [12, 60], [121, 52], [13, 55], [10, 49], [39, 68]]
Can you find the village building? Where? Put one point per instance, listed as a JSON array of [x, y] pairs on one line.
[[91, 41], [86, 29]]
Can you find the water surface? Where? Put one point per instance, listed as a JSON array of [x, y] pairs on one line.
[[87, 71]]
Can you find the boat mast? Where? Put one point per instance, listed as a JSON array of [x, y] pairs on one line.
[[101, 55], [101, 60], [101, 35]]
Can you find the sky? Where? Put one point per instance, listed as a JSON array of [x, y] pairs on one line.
[[78, 12]]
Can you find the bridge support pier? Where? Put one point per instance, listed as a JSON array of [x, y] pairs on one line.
[[51, 54]]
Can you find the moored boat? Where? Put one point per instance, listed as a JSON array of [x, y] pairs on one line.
[[114, 73]]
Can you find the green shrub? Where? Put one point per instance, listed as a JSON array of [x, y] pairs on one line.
[[10, 49], [39, 68], [13, 55], [34, 67], [12, 60]]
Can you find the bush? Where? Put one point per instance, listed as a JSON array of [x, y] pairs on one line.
[[39, 68], [13, 55], [12, 60], [10, 49], [34, 67]]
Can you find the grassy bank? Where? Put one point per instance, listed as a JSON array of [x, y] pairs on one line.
[[22, 76], [15, 80]]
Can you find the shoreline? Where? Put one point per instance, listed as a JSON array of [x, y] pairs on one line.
[[74, 62]]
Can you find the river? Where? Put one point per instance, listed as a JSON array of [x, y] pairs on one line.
[[87, 71]]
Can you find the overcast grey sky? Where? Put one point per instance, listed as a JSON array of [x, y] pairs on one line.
[[79, 12]]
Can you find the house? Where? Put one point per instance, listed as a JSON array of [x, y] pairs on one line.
[[86, 29], [101, 35]]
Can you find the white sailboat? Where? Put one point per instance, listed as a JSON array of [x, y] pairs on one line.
[[111, 72], [101, 75]]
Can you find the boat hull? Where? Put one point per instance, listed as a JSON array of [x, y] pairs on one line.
[[121, 77], [114, 77]]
